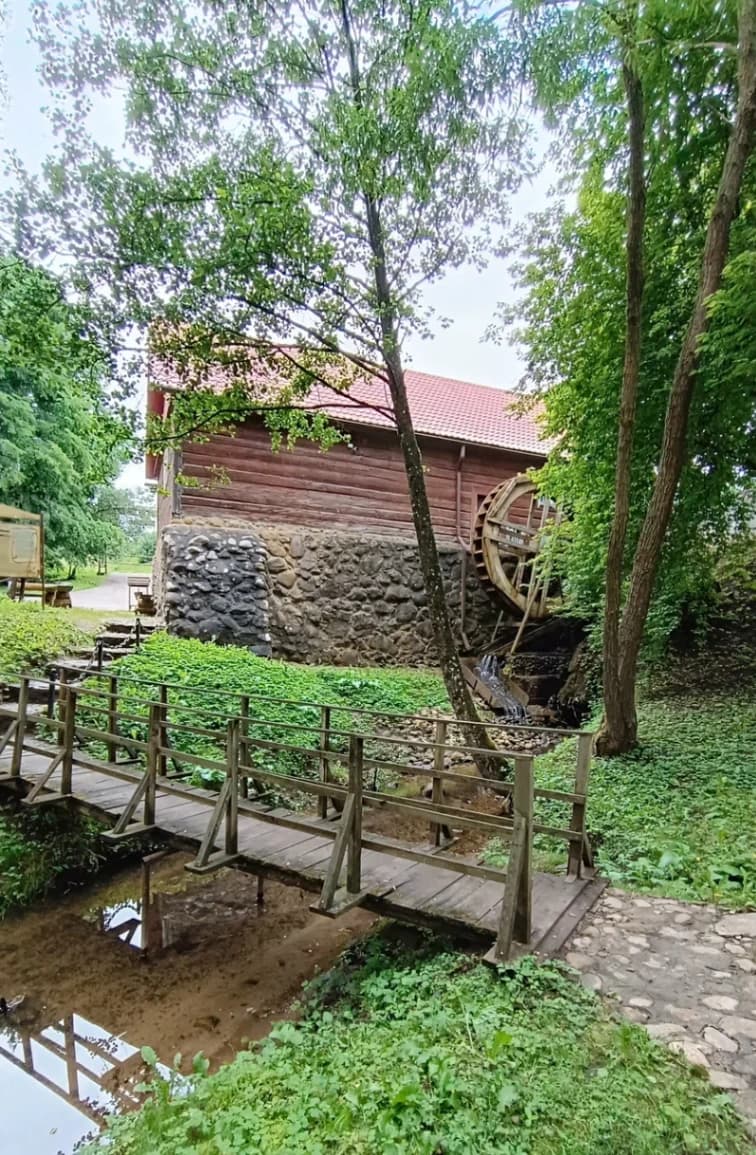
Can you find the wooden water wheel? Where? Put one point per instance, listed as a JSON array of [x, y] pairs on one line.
[[510, 527]]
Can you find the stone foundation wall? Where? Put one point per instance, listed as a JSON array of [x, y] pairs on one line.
[[214, 585], [313, 595], [353, 599]]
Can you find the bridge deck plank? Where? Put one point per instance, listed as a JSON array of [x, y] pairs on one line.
[[300, 853]]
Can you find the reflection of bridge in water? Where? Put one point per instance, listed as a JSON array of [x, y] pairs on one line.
[[93, 1071]]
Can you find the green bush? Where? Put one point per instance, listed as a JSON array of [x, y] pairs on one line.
[[431, 1054], [31, 636]]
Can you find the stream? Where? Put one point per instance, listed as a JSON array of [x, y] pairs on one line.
[[186, 964]]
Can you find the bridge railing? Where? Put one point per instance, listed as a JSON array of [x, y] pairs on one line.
[[98, 718]]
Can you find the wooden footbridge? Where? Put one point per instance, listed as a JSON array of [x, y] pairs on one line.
[[73, 753]]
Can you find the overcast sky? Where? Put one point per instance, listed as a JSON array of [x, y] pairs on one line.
[[467, 296]]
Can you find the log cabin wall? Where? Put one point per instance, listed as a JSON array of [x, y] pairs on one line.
[[339, 580], [362, 485]]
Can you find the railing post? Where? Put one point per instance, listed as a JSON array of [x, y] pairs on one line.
[[515, 914], [325, 745], [51, 693], [577, 822], [523, 810], [112, 717], [18, 745], [232, 772], [243, 743], [63, 678], [438, 767], [152, 763], [354, 850], [69, 733], [162, 760]]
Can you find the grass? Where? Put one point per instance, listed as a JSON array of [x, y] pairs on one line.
[[425, 1052]]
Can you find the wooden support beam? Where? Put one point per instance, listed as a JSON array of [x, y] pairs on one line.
[[331, 880]]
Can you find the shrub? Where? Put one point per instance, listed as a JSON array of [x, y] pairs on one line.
[[31, 636]]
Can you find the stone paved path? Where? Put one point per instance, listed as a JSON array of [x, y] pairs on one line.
[[687, 972]]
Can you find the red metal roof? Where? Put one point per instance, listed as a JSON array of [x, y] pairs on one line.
[[440, 406]]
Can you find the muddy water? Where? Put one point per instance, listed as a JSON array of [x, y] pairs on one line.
[[193, 965]]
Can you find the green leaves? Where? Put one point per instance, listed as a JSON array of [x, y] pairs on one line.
[[61, 439], [393, 1078]]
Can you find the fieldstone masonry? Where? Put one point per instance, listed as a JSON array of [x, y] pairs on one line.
[[687, 972], [358, 598], [215, 585], [311, 595]]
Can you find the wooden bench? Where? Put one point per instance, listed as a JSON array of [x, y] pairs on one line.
[[57, 594]]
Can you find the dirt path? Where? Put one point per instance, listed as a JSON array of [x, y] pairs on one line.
[[111, 594], [687, 972]]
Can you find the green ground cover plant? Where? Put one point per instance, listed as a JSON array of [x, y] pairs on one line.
[[42, 848], [30, 636], [424, 1052], [225, 671], [677, 816]]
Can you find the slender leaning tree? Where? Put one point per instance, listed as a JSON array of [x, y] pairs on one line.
[[299, 172]]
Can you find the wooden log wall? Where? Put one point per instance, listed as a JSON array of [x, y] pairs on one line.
[[357, 486]]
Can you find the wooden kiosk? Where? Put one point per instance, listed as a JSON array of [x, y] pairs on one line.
[[22, 549]]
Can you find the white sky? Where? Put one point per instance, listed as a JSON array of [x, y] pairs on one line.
[[468, 297]]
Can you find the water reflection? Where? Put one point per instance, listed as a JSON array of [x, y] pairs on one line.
[[143, 923], [60, 1080]]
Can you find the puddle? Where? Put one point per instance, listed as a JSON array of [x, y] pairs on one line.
[[189, 964], [60, 1080]]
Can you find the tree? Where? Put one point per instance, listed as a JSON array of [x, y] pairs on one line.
[[667, 115], [59, 441], [303, 171]]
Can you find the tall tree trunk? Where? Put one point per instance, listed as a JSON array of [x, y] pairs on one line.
[[619, 726], [653, 531], [457, 688]]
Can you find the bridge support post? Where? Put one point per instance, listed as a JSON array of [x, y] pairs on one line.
[[515, 918], [577, 822], [243, 741], [112, 746], [438, 767], [227, 807], [354, 851], [69, 733], [20, 728], [325, 739]]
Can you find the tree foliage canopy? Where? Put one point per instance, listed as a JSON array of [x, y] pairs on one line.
[[61, 445], [571, 318], [240, 219]]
